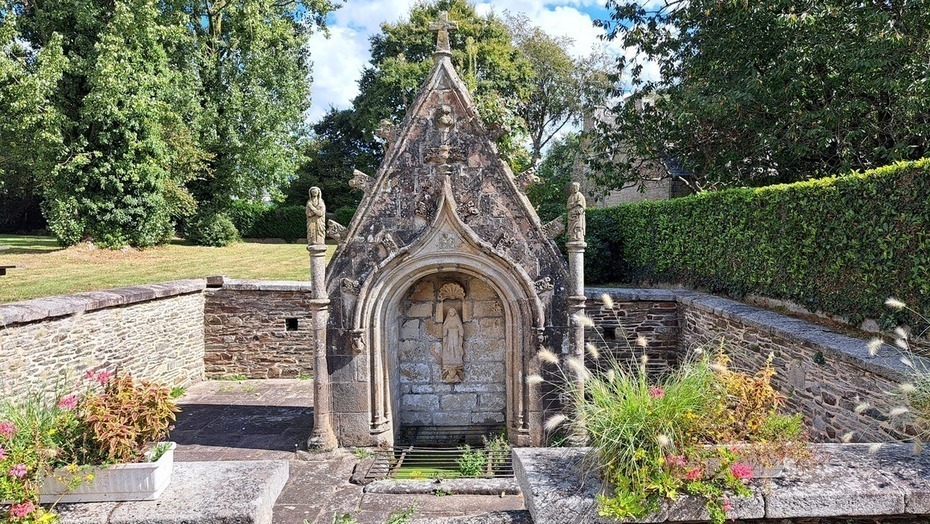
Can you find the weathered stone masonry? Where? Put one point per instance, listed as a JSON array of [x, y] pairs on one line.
[[822, 374], [153, 331], [169, 331], [259, 329]]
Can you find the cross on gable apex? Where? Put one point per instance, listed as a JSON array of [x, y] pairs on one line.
[[442, 27]]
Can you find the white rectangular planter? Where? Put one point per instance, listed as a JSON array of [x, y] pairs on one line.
[[119, 482]]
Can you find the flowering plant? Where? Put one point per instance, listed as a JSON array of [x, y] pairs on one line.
[[703, 429], [111, 418]]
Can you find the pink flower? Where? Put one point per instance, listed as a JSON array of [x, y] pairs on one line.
[[727, 505], [694, 474], [2, 453], [68, 402], [656, 392], [675, 460], [18, 471], [7, 429], [741, 471], [90, 374], [103, 376], [22, 510]]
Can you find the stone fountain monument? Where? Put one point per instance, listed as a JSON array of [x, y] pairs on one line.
[[444, 286]]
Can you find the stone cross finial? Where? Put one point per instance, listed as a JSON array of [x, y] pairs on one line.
[[442, 27]]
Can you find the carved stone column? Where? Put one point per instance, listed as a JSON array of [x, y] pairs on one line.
[[576, 297], [322, 437]]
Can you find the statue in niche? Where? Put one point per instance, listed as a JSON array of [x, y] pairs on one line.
[[452, 356], [316, 218], [576, 218]]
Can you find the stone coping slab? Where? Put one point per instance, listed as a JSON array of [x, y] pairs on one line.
[[233, 492], [502, 486], [62, 305], [848, 480], [241, 284], [886, 362]]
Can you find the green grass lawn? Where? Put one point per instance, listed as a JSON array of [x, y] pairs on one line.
[[45, 269]]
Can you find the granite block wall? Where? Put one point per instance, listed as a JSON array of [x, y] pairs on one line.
[[258, 329], [823, 374], [480, 398], [155, 332], [634, 320]]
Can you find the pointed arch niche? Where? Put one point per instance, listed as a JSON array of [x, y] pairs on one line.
[[499, 308]]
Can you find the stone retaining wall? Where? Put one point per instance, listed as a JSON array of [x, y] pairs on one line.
[[648, 315], [823, 374], [258, 329], [153, 331]]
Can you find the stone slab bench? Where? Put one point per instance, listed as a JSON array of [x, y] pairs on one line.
[[229, 492], [846, 481]]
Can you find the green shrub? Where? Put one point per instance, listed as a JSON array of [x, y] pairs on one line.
[[287, 222], [344, 215], [212, 229], [840, 244], [260, 220], [245, 214]]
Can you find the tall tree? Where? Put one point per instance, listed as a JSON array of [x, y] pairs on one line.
[[127, 161], [554, 98], [30, 124], [168, 107], [252, 59], [755, 93]]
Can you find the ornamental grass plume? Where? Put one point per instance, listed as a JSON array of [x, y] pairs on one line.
[[548, 356]]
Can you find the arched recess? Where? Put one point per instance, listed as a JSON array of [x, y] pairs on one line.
[[448, 246]]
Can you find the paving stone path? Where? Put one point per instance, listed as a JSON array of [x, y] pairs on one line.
[[271, 419]]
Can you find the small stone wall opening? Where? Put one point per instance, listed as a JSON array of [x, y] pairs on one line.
[[451, 355], [290, 324]]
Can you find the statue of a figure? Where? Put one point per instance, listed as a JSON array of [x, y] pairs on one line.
[[576, 219], [316, 218], [453, 352]]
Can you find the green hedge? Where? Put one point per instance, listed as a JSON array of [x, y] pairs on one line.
[[839, 244], [259, 220]]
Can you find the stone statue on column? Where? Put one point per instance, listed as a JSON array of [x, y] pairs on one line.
[[576, 213], [316, 218]]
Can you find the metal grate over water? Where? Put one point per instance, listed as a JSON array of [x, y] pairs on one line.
[[427, 453]]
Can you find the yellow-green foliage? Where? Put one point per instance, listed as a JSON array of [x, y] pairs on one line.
[[839, 244]]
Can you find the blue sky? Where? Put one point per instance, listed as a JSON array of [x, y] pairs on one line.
[[339, 60]]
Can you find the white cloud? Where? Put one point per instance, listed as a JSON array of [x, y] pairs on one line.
[[338, 61], [337, 65]]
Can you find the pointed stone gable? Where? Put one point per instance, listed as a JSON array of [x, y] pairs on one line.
[[443, 202]]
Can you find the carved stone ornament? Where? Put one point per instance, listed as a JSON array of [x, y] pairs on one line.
[[445, 154], [447, 242], [425, 207], [358, 341], [350, 287], [388, 242], [387, 131], [554, 228], [527, 178], [335, 230], [316, 218], [360, 181], [506, 241], [543, 285], [451, 291], [468, 209], [576, 217]]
